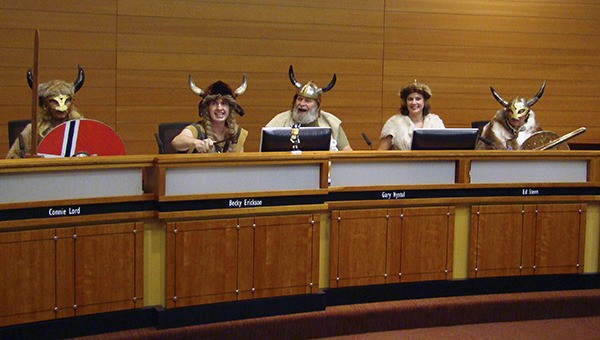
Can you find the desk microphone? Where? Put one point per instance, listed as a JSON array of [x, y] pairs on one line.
[[367, 140]]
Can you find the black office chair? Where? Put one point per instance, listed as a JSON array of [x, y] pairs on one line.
[[15, 127], [479, 124], [166, 133]]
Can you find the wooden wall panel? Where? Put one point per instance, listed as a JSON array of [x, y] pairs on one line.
[[137, 55]]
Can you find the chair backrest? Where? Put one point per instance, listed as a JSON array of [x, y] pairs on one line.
[[166, 133], [14, 129], [479, 124]]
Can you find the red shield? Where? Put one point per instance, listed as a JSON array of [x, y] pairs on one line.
[[81, 136]]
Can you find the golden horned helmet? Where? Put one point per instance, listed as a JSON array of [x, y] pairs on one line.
[[518, 107]]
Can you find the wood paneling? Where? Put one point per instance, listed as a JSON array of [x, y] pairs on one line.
[[204, 263], [235, 259], [358, 254], [56, 273], [427, 236], [28, 260], [391, 245], [137, 55], [526, 239]]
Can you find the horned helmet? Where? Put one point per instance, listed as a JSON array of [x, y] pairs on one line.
[[519, 106], [220, 90], [58, 90], [310, 89]]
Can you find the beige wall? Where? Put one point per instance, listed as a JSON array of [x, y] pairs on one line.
[[138, 53]]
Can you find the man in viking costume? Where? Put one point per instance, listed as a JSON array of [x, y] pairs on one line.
[[512, 124], [217, 130], [306, 111], [55, 99]]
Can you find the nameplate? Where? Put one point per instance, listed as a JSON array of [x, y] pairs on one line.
[[238, 203], [455, 193], [75, 210]]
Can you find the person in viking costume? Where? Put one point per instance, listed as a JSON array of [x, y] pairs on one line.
[[512, 124], [55, 99], [306, 111], [217, 130], [397, 131]]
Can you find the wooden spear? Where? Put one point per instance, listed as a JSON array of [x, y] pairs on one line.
[[34, 94]]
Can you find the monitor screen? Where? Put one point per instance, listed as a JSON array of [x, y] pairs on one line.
[[445, 139], [311, 139]]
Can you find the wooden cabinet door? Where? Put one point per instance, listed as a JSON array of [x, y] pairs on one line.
[[375, 246], [358, 247], [510, 240], [286, 255], [27, 276], [427, 238], [560, 238], [202, 261], [64, 272], [108, 267], [219, 260]]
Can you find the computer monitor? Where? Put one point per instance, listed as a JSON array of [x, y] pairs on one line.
[[444, 139], [311, 139]]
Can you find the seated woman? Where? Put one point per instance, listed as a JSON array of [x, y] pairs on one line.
[[414, 113], [217, 130]]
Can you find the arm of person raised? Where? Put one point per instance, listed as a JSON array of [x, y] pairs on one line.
[[185, 141]]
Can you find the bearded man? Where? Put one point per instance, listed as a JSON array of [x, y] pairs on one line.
[[55, 98], [511, 125], [306, 111]]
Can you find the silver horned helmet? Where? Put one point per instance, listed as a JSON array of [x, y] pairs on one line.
[[518, 107], [310, 90]]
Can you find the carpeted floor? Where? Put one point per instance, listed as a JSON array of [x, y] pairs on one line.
[[545, 315], [585, 328]]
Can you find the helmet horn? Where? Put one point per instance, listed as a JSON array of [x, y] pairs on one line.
[[330, 86], [537, 97], [498, 98], [77, 84], [240, 90], [194, 87], [293, 78]]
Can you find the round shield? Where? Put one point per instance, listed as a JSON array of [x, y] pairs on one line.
[[542, 138], [81, 137]]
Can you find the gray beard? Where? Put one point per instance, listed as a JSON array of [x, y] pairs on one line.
[[307, 118]]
